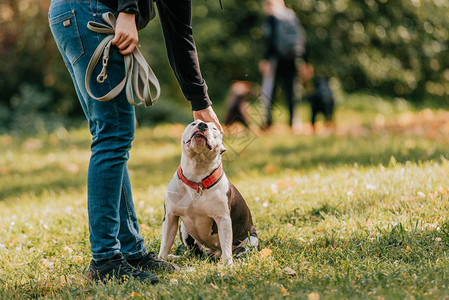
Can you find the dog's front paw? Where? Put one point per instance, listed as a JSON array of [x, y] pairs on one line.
[[229, 262]]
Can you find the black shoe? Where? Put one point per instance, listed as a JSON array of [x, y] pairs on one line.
[[150, 262], [116, 268]]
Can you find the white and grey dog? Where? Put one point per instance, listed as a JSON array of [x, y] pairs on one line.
[[214, 216]]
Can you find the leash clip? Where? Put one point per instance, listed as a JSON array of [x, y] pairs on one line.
[[102, 76], [200, 189]]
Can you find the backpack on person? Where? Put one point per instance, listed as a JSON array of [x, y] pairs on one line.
[[289, 35]]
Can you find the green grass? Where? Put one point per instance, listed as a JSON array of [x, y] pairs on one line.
[[356, 215]]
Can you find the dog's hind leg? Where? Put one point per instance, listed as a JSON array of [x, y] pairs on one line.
[[213, 254], [251, 242], [189, 242]]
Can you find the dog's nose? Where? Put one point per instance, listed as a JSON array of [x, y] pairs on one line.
[[202, 126]]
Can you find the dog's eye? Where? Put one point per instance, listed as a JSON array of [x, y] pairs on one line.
[[215, 128], [193, 124]]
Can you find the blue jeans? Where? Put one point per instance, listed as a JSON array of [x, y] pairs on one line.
[[113, 224]]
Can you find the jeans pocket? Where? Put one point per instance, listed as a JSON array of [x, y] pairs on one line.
[[66, 34]]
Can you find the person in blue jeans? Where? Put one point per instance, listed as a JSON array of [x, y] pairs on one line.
[[118, 250]]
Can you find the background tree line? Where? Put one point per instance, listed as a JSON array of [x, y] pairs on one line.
[[389, 47]]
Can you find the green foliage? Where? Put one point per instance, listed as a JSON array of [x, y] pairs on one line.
[[35, 85], [395, 48], [392, 47]]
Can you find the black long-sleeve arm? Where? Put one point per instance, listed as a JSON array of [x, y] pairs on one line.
[[175, 17]]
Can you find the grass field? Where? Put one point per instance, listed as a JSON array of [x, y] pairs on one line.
[[362, 213]]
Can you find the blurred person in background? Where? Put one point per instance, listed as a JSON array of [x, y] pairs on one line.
[[285, 42], [117, 247]]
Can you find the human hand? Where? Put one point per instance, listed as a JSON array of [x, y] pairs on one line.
[[126, 36], [207, 115]]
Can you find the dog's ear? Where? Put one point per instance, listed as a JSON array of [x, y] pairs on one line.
[[222, 148]]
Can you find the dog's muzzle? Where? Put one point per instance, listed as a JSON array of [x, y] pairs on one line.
[[202, 127]]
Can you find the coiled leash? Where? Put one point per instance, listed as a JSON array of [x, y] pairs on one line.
[[138, 73]]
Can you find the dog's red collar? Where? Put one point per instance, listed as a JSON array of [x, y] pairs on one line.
[[206, 183]]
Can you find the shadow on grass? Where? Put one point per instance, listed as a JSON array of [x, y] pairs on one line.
[[304, 153], [37, 187], [54, 178], [268, 155]]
